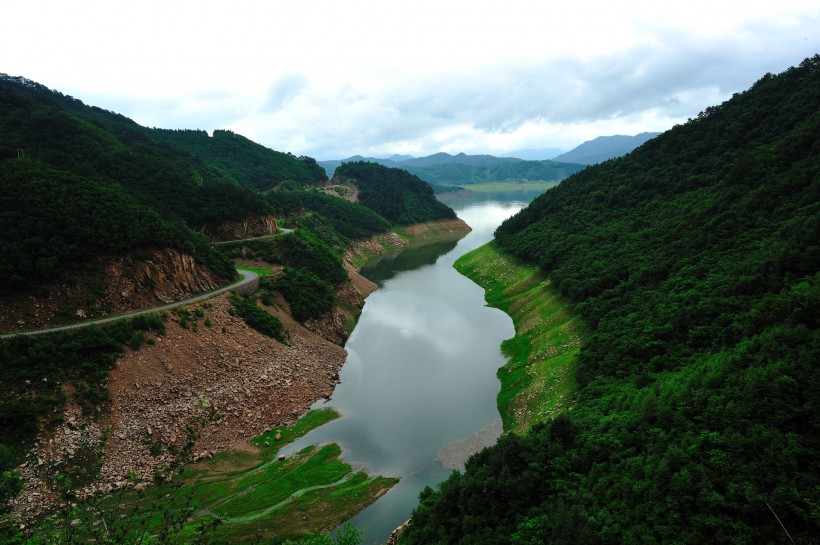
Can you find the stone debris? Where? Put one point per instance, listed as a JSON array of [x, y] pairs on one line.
[[231, 387]]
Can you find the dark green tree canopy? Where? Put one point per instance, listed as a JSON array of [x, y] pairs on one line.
[[394, 193], [696, 261]]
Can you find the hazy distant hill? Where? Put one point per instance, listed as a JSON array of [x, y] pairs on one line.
[[446, 169], [602, 148], [535, 154]]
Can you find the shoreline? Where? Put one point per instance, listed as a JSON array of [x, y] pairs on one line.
[[242, 383], [538, 382]]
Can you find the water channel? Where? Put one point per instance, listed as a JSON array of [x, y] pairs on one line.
[[420, 372]]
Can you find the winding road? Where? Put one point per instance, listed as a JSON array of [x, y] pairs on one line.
[[247, 278]]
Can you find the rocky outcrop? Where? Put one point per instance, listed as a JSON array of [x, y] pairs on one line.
[[395, 535], [252, 226], [140, 279]]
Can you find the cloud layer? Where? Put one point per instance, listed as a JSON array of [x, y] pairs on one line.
[[332, 79]]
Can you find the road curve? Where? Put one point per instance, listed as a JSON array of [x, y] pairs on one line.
[[247, 277]]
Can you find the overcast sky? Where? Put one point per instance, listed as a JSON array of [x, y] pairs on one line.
[[332, 78]]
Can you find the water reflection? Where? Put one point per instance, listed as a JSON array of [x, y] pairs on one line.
[[421, 369], [385, 267]]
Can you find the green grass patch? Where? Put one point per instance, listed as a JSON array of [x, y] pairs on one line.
[[539, 379], [261, 271], [254, 494]]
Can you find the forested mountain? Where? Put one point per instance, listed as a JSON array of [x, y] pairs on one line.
[[602, 148], [446, 169], [251, 164], [67, 135], [696, 262], [393, 193], [506, 170], [74, 190]]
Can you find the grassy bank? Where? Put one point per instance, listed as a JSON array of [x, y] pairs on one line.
[[241, 495], [538, 381]]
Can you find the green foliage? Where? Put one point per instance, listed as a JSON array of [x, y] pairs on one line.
[[308, 295], [301, 249], [67, 135], [393, 193], [259, 319], [695, 261], [252, 165], [350, 220], [52, 221], [347, 535], [457, 173]]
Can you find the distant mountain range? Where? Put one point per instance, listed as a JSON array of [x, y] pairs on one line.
[[602, 148], [460, 169], [529, 165]]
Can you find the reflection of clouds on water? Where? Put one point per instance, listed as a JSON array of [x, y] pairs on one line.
[[416, 317], [487, 216]]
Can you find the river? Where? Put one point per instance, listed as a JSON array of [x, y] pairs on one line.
[[419, 385]]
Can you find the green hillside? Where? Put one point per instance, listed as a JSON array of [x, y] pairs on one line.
[[251, 164], [603, 148], [509, 169], [52, 221], [393, 193], [67, 135], [77, 191], [695, 262], [447, 170]]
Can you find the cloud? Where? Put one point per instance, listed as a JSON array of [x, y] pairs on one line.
[[284, 91], [331, 80]]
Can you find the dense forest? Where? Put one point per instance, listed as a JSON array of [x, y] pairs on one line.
[[443, 169], [393, 193], [67, 135], [695, 261], [52, 220], [349, 219], [82, 182], [251, 164]]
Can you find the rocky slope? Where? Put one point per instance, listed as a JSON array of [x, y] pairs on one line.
[[226, 381], [111, 286], [252, 226]]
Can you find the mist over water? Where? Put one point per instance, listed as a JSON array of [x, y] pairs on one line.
[[420, 372]]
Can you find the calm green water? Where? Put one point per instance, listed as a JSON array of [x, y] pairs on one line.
[[420, 372]]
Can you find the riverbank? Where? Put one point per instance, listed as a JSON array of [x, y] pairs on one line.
[[538, 382], [229, 381]]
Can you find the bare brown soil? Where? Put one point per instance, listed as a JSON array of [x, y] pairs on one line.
[[226, 382]]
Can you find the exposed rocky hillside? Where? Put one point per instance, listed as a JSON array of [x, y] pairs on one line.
[[140, 279], [229, 381], [251, 226]]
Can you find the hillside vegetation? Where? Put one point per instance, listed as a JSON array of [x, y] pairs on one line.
[[393, 193], [251, 164], [443, 169], [695, 262], [86, 190]]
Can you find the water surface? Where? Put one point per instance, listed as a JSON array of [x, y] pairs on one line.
[[421, 369]]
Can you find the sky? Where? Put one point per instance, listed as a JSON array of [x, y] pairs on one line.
[[335, 78]]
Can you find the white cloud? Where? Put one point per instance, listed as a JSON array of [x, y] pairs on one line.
[[332, 79]]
